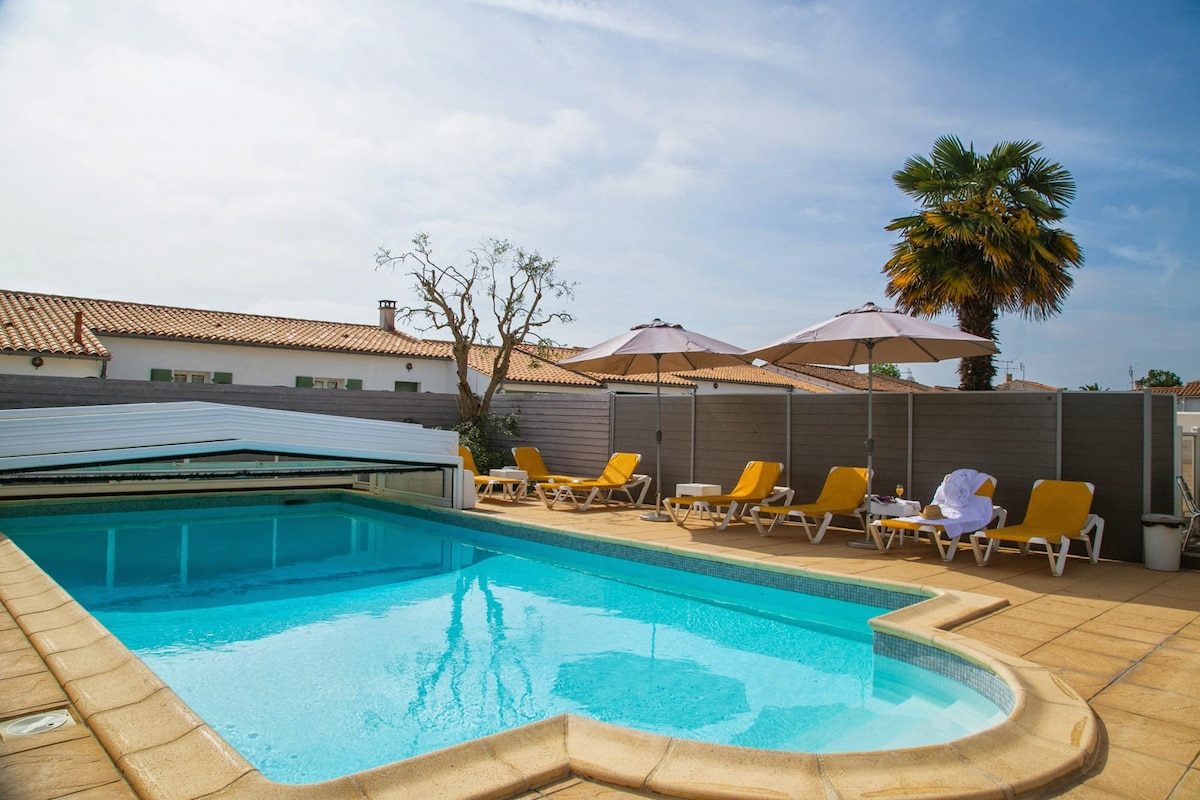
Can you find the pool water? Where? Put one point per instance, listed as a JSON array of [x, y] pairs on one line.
[[327, 638]]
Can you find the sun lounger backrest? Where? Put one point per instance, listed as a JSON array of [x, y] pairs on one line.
[[468, 459], [1059, 505], [845, 487], [619, 469], [758, 479], [530, 460]]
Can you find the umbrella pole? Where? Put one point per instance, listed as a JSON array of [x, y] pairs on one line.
[[657, 514], [866, 542]]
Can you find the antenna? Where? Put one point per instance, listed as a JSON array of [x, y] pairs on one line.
[[1022, 366]]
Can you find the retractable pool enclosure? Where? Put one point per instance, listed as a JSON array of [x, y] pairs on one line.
[[157, 447]]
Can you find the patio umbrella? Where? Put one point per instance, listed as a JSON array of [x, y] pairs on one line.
[[868, 335], [654, 347]]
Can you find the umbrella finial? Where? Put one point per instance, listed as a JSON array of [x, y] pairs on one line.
[[866, 307], [657, 323]]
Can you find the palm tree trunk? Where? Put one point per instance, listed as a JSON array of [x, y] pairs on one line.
[[977, 316]]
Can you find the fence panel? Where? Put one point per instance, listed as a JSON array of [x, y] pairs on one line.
[[709, 438]]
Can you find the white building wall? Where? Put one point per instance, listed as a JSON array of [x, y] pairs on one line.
[[56, 366], [719, 387], [132, 359]]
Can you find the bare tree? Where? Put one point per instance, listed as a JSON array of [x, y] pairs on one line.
[[513, 282]]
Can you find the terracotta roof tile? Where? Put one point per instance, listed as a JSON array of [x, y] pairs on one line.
[[1189, 389], [46, 323], [528, 365], [853, 379], [32, 323], [750, 374]]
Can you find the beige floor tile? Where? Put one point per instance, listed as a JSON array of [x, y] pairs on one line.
[[1085, 661], [30, 692], [16, 663], [1093, 642], [57, 770], [1007, 623], [1189, 787], [586, 790], [1109, 627], [1137, 776], [1183, 641], [1016, 645], [1163, 620], [1182, 682], [13, 639], [1172, 656], [1153, 737], [1085, 685], [1152, 703]]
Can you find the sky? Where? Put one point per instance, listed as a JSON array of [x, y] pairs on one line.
[[721, 165]]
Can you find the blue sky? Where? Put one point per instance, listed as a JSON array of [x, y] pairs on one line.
[[726, 166]]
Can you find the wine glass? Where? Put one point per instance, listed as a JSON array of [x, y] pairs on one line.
[[900, 491]]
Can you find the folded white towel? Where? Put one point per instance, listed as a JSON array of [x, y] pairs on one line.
[[963, 511]]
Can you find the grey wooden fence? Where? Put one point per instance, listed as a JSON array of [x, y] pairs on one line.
[[1124, 442]]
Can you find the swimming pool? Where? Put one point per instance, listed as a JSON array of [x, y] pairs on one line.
[[404, 588]]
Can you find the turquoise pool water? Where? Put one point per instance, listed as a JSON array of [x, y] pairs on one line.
[[324, 638]]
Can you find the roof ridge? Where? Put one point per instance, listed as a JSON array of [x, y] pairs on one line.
[[163, 307]]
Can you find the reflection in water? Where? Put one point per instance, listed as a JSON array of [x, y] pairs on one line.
[[630, 689], [475, 677]]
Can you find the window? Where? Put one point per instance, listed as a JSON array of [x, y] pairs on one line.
[[189, 376], [328, 383], [407, 386]]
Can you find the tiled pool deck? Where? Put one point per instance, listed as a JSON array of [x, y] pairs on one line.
[[1124, 638]]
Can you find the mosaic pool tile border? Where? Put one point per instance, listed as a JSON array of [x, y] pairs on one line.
[[983, 681]]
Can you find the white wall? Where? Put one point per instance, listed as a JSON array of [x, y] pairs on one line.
[[718, 387], [132, 359], [57, 366]]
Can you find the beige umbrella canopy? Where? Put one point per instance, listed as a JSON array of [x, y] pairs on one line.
[[870, 335], [654, 347]]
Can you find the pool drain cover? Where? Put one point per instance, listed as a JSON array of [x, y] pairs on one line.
[[36, 723]]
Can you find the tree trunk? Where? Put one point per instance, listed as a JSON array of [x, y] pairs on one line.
[[977, 317]]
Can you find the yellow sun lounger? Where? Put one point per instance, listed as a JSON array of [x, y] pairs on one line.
[[510, 488], [756, 485], [842, 494], [618, 476], [530, 460], [973, 515], [1058, 512]]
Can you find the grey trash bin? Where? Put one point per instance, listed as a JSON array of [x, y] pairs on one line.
[[1162, 541]]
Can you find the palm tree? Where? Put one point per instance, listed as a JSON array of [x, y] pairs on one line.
[[983, 242]]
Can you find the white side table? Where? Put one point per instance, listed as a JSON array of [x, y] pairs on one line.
[[893, 508], [696, 489], [514, 485]]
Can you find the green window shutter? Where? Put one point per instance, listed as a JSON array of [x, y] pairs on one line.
[[406, 386], [353, 383], [304, 381], [222, 377], [161, 375]]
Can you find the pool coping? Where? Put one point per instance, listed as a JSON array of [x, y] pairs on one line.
[[167, 752]]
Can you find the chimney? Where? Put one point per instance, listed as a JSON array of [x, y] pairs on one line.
[[387, 315], [78, 327]]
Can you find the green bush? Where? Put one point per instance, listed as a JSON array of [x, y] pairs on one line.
[[478, 437]]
